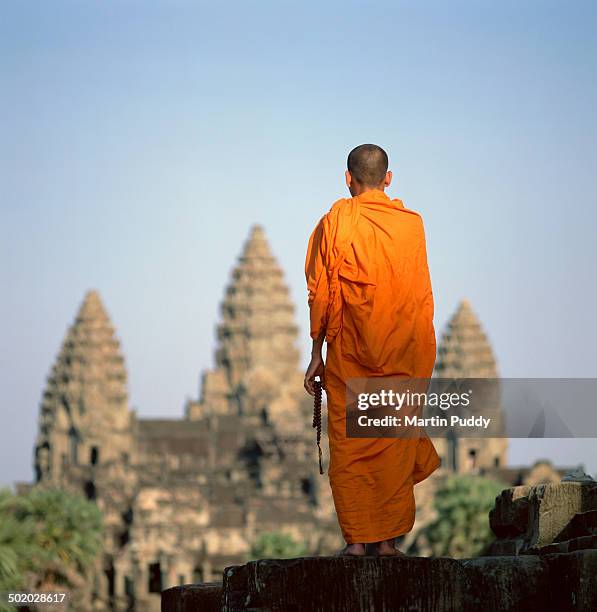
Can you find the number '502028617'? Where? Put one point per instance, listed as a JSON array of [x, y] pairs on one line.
[[46, 597]]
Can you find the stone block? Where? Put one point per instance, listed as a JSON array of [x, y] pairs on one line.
[[205, 597], [563, 582], [573, 581], [582, 524], [528, 518], [328, 584]]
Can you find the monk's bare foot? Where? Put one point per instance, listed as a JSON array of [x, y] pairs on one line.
[[390, 552], [387, 549], [351, 550]]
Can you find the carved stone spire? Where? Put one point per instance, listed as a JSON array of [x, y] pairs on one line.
[[464, 350], [85, 399], [257, 327], [256, 354]]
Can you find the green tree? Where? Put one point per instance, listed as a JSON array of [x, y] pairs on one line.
[[276, 545], [48, 537], [461, 528], [15, 545]]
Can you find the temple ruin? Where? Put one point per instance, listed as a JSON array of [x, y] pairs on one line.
[[184, 498]]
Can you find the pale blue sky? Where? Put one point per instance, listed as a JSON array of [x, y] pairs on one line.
[[140, 140]]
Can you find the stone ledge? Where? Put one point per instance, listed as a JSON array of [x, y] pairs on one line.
[[573, 580], [413, 583], [206, 597], [328, 584], [568, 546]]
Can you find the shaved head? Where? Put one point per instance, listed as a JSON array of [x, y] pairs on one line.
[[368, 164]]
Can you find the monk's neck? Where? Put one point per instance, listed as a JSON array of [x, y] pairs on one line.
[[357, 191]]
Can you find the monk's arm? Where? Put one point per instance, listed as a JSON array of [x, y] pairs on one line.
[[318, 344], [317, 281], [316, 366], [316, 275]]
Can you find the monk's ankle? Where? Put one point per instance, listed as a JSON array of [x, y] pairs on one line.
[[385, 545], [355, 549]]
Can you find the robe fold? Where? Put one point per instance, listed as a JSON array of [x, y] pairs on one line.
[[370, 292]]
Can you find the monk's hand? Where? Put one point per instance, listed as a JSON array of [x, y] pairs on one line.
[[316, 368]]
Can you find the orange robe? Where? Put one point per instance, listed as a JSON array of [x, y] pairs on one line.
[[369, 289]]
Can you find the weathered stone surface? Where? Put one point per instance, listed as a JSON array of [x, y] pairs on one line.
[[579, 534], [328, 584], [205, 597], [411, 583], [573, 581], [510, 516], [526, 519], [577, 474], [582, 524], [506, 583]]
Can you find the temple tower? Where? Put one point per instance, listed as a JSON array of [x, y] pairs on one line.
[[465, 352], [84, 420], [257, 326], [257, 359]]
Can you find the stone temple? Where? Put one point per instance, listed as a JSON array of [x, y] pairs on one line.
[[184, 498], [465, 352]]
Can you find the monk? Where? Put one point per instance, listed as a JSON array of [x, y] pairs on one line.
[[370, 299]]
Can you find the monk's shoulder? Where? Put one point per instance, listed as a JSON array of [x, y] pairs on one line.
[[410, 212], [337, 206], [414, 220], [405, 209]]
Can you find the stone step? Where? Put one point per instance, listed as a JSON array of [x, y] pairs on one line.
[[419, 584], [345, 584]]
